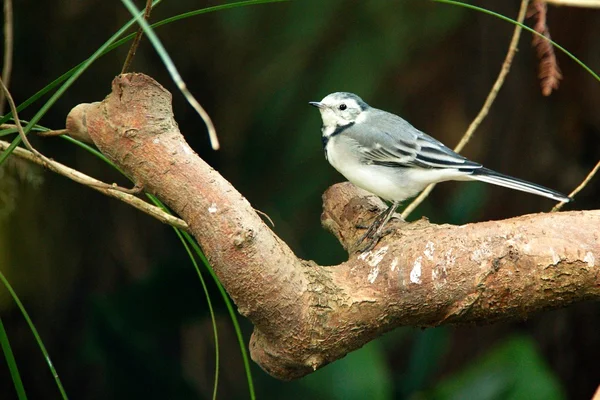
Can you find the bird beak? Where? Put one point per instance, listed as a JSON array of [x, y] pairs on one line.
[[317, 104]]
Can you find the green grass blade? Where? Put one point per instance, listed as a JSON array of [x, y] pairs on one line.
[[212, 9], [33, 329], [92, 150], [74, 76], [172, 69], [158, 203], [208, 301], [9, 131], [200, 254], [12, 363], [512, 21], [230, 309], [127, 38], [188, 238]]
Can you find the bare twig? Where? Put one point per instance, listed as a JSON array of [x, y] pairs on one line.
[[264, 214], [175, 75], [48, 162], [18, 125], [575, 3], [549, 74], [136, 39], [579, 188], [58, 132], [95, 184], [512, 49], [8, 49]]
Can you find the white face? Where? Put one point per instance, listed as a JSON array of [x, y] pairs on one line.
[[340, 108]]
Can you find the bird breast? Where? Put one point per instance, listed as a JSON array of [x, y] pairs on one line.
[[389, 183]]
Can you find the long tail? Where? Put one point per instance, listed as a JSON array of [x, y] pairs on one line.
[[493, 177]]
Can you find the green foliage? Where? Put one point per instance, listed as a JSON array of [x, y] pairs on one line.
[[38, 339], [132, 333], [427, 349], [361, 373], [513, 370], [12, 363]]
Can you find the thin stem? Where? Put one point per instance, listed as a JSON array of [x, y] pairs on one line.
[[12, 363], [230, 309], [491, 97], [95, 184], [170, 65], [74, 76], [579, 188], [136, 39], [8, 49], [33, 329], [575, 3]]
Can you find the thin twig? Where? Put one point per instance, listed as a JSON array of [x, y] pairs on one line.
[[160, 49], [18, 125], [58, 132], [512, 49], [8, 49], [136, 39], [95, 184], [575, 3], [264, 214], [48, 162], [579, 188]]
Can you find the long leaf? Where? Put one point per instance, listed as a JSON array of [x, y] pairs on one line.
[[33, 329], [76, 74], [12, 363]]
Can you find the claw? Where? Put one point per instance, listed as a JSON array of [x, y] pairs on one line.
[[369, 246], [375, 232]]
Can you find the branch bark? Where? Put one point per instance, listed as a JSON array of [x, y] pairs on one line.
[[306, 315]]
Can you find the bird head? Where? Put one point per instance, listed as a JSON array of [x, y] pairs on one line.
[[340, 108]]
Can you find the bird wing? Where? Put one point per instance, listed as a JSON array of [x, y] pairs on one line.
[[386, 139]]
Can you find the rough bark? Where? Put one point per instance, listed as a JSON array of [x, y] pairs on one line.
[[306, 315]]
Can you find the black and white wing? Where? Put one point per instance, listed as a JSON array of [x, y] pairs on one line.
[[386, 139]]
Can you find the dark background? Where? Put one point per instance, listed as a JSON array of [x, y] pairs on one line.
[[114, 295]]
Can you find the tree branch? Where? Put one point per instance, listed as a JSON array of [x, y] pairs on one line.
[[306, 315]]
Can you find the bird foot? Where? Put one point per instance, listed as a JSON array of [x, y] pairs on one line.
[[371, 240]]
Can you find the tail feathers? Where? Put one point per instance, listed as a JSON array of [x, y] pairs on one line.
[[489, 176]]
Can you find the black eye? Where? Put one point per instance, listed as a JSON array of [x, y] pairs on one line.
[[342, 107]]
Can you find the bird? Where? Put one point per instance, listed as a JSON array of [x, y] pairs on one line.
[[385, 155]]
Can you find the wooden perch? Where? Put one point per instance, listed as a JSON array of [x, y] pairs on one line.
[[307, 315]]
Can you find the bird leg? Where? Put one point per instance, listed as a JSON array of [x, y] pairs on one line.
[[375, 231]]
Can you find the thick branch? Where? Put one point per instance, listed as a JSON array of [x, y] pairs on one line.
[[306, 315]]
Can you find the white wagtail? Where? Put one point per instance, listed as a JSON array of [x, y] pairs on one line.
[[385, 155]]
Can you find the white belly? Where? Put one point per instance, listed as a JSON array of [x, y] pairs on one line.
[[393, 184]]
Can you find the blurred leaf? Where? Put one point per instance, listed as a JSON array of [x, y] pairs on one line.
[[466, 203], [513, 370], [133, 333], [427, 350], [361, 374]]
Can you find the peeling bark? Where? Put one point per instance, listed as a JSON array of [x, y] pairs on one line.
[[306, 315]]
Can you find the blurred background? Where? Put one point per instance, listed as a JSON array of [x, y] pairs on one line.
[[112, 291]]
